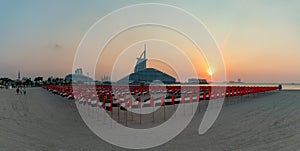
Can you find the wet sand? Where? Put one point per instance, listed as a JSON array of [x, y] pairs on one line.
[[43, 121]]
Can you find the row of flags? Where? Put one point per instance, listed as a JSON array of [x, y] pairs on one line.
[[107, 96]]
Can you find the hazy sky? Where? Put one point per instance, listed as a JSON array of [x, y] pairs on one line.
[[259, 39]]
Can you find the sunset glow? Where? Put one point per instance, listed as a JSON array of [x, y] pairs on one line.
[[258, 42], [210, 72]]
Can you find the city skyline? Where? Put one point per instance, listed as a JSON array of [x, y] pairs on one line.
[[259, 40]]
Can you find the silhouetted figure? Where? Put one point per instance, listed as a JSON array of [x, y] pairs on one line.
[[18, 90], [24, 91]]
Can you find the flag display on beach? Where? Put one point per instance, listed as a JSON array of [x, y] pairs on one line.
[[103, 96]]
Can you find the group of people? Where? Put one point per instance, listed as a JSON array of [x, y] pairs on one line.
[[21, 90]]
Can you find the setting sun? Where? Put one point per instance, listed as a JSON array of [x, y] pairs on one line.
[[210, 71]]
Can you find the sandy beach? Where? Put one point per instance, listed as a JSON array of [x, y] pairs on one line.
[[43, 121]]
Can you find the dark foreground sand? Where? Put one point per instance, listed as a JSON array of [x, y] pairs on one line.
[[42, 121]]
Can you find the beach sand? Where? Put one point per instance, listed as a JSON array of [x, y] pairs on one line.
[[43, 121]]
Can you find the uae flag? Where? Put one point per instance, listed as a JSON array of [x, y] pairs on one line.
[[162, 101]]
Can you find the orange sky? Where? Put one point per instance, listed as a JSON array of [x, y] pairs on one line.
[[167, 50], [259, 40]]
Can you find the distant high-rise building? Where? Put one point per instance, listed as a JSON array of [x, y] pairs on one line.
[[197, 81], [78, 71], [141, 61], [105, 78], [78, 77], [145, 75], [19, 75]]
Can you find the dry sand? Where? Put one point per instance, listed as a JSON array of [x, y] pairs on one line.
[[42, 121]]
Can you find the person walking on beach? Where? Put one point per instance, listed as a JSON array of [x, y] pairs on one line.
[[24, 90], [18, 90], [21, 91]]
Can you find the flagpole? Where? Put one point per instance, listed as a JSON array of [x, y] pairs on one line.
[[152, 103], [119, 102], [140, 102]]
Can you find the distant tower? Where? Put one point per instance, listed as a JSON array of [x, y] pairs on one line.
[[141, 61], [19, 75], [78, 71], [105, 78]]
